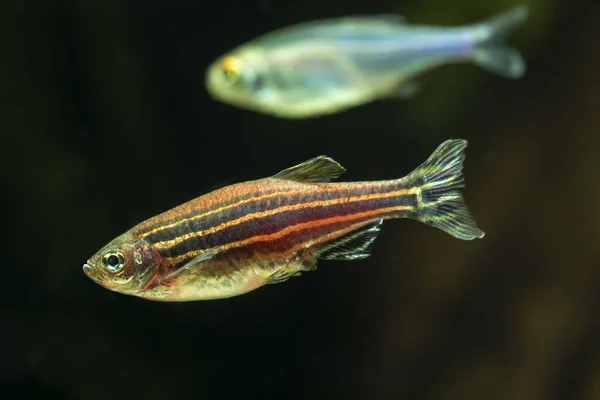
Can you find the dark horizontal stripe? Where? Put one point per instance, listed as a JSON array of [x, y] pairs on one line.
[[276, 221], [299, 237], [206, 219], [222, 199]]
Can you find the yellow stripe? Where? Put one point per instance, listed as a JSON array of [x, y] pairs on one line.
[[218, 210], [286, 231], [276, 193], [173, 242], [316, 241]]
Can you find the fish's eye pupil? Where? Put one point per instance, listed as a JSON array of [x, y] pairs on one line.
[[112, 260], [258, 82]]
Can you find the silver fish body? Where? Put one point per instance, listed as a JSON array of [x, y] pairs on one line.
[[323, 67]]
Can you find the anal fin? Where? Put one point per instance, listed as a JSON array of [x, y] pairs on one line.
[[352, 246], [406, 90]]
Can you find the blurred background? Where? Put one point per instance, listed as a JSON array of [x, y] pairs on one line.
[[106, 122]]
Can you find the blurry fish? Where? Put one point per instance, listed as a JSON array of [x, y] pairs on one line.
[[323, 67], [241, 237]]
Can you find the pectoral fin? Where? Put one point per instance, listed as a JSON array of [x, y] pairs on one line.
[[283, 274], [354, 245], [190, 266], [318, 169]]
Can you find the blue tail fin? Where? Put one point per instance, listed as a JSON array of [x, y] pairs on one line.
[[491, 53]]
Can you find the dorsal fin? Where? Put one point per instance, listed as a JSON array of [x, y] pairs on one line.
[[352, 246], [391, 18], [318, 169]]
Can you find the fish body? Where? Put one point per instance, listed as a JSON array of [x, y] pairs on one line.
[[323, 67], [240, 237]]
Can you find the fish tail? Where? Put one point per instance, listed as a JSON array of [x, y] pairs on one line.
[[491, 53], [440, 202]]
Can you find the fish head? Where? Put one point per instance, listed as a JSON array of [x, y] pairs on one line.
[[241, 78], [125, 265]]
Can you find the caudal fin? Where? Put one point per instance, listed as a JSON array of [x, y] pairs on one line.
[[494, 55], [441, 203]]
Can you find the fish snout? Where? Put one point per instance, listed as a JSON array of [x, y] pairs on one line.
[[88, 270]]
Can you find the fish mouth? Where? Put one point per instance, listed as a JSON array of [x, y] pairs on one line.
[[94, 274], [88, 270]]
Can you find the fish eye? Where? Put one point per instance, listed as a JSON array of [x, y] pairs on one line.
[[113, 261], [258, 82]]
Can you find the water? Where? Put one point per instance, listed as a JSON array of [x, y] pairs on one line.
[[107, 123]]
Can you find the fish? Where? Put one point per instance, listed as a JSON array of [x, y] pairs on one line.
[[241, 237], [323, 67]]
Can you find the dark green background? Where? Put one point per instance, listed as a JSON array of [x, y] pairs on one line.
[[105, 122]]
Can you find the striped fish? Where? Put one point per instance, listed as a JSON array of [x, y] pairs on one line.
[[241, 237]]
